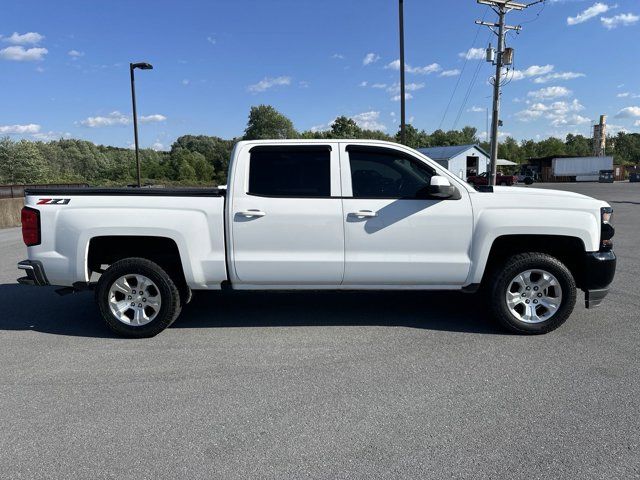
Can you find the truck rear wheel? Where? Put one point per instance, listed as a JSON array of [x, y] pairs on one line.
[[137, 298], [532, 293]]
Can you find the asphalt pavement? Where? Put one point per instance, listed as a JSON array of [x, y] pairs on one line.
[[323, 385]]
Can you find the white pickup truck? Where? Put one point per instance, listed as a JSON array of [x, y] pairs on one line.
[[321, 214]]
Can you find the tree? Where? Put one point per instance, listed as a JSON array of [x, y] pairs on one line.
[[215, 150], [265, 122], [509, 150], [626, 148], [578, 145], [344, 127], [21, 162]]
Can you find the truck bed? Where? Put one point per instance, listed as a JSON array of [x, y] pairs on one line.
[[126, 191]]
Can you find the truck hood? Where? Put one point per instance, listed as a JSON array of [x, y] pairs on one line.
[[538, 192], [542, 197]]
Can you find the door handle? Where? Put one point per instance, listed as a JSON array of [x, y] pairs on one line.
[[364, 214], [252, 213]]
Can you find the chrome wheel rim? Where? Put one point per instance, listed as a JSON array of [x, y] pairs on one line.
[[534, 296], [134, 300]]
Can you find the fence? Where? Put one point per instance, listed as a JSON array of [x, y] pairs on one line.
[[17, 191]]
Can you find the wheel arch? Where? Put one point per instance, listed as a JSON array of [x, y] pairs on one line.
[[568, 249], [164, 251]]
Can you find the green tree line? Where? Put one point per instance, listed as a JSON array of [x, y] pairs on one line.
[[203, 160]]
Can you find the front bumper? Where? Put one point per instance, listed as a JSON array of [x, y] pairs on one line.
[[599, 270], [35, 273]]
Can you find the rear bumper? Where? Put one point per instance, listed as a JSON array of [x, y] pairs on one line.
[[35, 273], [599, 270]]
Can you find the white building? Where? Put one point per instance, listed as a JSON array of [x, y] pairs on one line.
[[461, 160]]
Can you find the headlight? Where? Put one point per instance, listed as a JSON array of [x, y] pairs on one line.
[[606, 228]]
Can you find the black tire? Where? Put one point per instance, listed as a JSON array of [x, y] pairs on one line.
[[501, 280], [170, 305], [528, 181], [504, 184]]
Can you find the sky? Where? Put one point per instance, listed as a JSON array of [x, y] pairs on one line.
[[64, 66]]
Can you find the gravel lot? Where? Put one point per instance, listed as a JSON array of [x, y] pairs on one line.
[[323, 385]]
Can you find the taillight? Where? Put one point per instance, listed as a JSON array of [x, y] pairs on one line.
[[30, 226]]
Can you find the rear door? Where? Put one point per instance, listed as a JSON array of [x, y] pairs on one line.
[[394, 234], [286, 212]]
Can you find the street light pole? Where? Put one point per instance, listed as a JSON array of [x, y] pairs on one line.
[[132, 67], [402, 95]]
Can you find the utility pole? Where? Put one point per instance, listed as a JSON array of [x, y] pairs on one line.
[[500, 58], [402, 99]]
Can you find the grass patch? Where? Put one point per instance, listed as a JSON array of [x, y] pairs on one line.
[[10, 212]]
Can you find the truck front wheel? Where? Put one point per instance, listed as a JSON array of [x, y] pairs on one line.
[[532, 293], [137, 298]]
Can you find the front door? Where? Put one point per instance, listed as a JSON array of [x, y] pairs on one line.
[[287, 216], [393, 234]]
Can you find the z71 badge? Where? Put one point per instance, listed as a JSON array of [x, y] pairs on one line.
[[53, 201]]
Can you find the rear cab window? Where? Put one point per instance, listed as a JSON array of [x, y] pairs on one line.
[[290, 171]]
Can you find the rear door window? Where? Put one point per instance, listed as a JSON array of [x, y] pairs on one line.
[[290, 171]]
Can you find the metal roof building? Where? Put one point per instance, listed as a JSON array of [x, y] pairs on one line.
[[461, 160]]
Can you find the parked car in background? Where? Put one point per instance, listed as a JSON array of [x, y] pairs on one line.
[[483, 179]]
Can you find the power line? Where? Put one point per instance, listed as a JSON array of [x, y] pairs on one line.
[[468, 92], [464, 66]]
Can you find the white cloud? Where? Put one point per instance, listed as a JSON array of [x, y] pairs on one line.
[[473, 54], [550, 92], [369, 120], [370, 58], [212, 40], [558, 76], [559, 113], [268, 82], [591, 12], [623, 95], [450, 73], [29, 38], [366, 120], [571, 120], [338, 56], [407, 96], [50, 135], [629, 112], [185, 81], [532, 71], [114, 118], [363, 84], [21, 54], [156, 117], [75, 54], [19, 129], [395, 65], [157, 146], [379, 85], [427, 69], [475, 109], [409, 87], [637, 123], [622, 20]]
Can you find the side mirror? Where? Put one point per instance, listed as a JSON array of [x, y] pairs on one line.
[[440, 187]]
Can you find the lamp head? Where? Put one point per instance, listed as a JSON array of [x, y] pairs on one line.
[[142, 66]]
